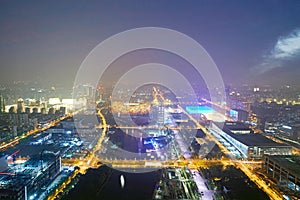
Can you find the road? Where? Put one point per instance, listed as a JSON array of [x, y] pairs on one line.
[[191, 163], [84, 164], [34, 131], [275, 195], [91, 161]]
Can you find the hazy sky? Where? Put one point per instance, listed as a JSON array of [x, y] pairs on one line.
[[253, 41]]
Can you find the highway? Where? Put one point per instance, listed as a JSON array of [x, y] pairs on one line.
[[191, 163]]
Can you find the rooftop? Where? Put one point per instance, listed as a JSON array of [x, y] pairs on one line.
[[12, 182], [255, 140], [249, 139], [236, 126]]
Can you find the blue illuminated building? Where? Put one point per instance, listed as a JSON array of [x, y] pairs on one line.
[[199, 110]]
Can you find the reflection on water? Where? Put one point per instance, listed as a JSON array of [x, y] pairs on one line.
[[104, 183]]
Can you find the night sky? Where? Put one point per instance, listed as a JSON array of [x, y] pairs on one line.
[[251, 42]]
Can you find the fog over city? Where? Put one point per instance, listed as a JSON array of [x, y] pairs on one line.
[[150, 100], [251, 42]]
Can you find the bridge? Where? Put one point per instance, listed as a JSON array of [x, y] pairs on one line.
[[190, 163]]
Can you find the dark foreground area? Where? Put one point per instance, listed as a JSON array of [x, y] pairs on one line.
[[104, 183], [232, 184], [229, 183]]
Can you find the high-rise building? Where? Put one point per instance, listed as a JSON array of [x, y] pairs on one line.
[[12, 109], [2, 105], [239, 115], [20, 106], [43, 110], [62, 110], [51, 111], [27, 110], [35, 110]]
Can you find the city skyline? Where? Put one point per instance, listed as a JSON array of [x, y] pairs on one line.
[[150, 100], [251, 42]]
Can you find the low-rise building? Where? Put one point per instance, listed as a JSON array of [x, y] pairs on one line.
[[250, 145], [27, 180], [285, 171]]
